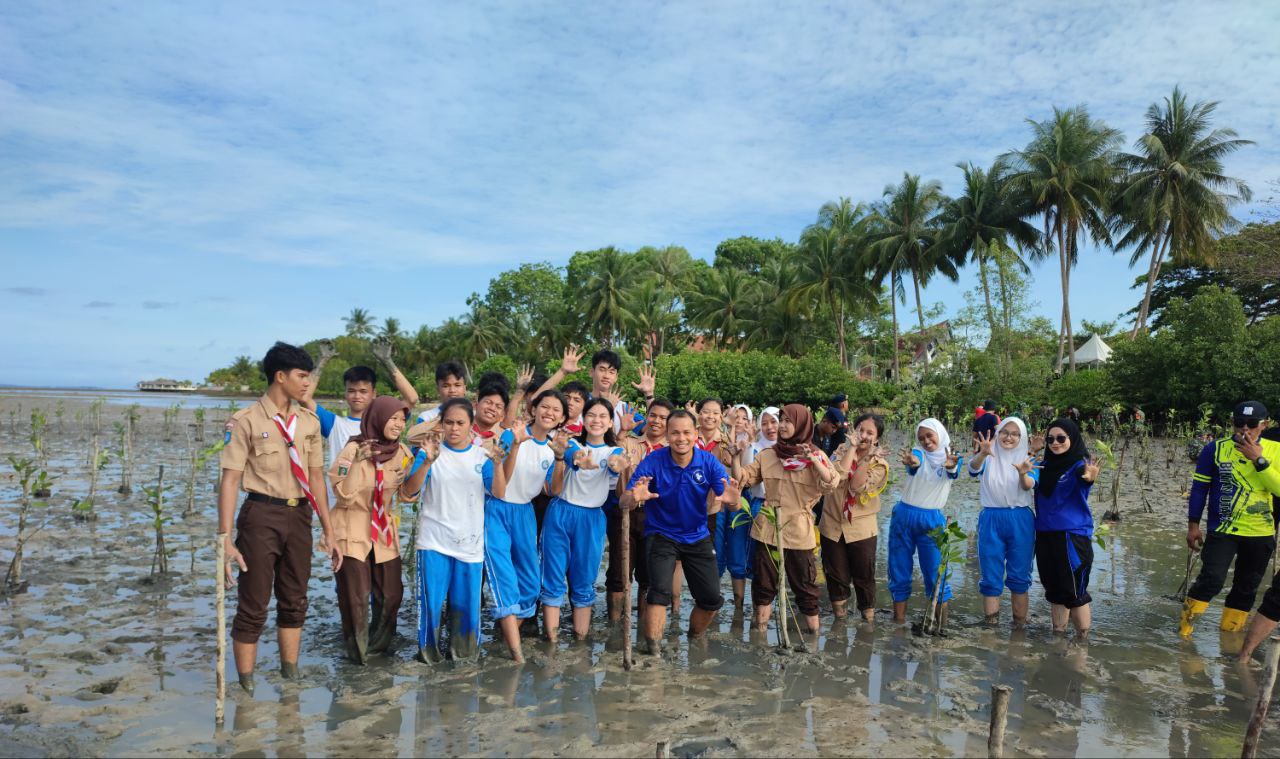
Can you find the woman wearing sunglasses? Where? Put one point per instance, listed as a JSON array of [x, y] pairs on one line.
[[1064, 526]]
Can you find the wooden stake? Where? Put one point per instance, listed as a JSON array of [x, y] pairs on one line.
[[219, 582], [1264, 700], [625, 549], [663, 750], [999, 717]]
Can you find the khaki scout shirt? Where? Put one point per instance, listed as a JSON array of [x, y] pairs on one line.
[[256, 448], [352, 510], [724, 453], [834, 525], [792, 494]]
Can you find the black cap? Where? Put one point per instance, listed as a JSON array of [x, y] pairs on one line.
[[1249, 411], [839, 398], [834, 415]]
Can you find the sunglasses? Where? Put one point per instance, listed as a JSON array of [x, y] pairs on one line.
[[1056, 438], [1250, 423]]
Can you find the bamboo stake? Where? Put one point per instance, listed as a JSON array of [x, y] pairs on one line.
[[1251, 736], [219, 582], [625, 549], [999, 718], [663, 750]]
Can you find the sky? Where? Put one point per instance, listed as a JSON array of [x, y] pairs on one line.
[[181, 183]]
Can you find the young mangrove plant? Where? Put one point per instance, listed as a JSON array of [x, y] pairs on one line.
[[155, 501], [31, 479], [1110, 462], [199, 415], [95, 410], [950, 540], [59, 411], [39, 422], [124, 453], [82, 508], [197, 459], [170, 416]]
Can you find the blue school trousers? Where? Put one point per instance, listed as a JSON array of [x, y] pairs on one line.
[[736, 546], [908, 536], [1006, 548], [443, 578], [572, 547], [511, 557]]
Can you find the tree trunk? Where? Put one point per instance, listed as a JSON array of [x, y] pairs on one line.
[[986, 287], [839, 309], [915, 281], [1062, 276], [1066, 298], [893, 305], [1153, 273]]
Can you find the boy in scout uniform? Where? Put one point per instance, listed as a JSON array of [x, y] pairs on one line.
[[275, 453]]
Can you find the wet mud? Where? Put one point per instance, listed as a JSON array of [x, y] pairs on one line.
[[102, 658]]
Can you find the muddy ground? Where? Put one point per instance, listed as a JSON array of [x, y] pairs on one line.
[[102, 658]]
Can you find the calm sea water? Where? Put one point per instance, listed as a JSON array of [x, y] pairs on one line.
[[123, 397]]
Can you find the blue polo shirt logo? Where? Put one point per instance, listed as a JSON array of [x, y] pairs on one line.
[[697, 476]]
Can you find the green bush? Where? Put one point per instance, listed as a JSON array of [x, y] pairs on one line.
[[761, 379], [495, 363], [1089, 390]]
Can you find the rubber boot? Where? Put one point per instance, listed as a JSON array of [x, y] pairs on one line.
[[1233, 620], [1191, 611], [246, 682]]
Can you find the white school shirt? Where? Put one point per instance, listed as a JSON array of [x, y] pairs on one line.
[[927, 487], [451, 520], [428, 415], [534, 463], [344, 428], [753, 450], [589, 488]]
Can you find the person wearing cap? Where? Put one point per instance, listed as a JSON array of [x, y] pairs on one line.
[[1234, 478], [1264, 622], [832, 431]]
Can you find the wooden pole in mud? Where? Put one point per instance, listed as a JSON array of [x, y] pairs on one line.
[[625, 550], [663, 750], [219, 582], [999, 718], [1264, 700]]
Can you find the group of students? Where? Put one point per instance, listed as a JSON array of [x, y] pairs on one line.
[[519, 492]]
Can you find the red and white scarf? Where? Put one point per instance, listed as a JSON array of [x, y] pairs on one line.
[[381, 524], [795, 463], [287, 430], [706, 446], [851, 500]]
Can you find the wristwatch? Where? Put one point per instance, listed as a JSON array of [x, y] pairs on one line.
[[1261, 463]]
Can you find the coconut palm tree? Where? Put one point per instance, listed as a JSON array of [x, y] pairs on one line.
[[391, 329], [482, 334], [722, 305], [1174, 197], [1066, 172], [826, 264], [905, 242], [359, 323], [605, 295], [650, 308], [782, 323], [984, 213]]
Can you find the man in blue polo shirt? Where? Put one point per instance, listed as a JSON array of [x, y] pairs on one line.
[[674, 484]]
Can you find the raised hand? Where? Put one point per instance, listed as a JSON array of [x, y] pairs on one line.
[[691, 407], [1026, 467], [617, 462], [612, 397], [1037, 443], [648, 379], [732, 495], [327, 350], [627, 420], [641, 491], [742, 440], [1091, 469], [572, 355], [520, 433], [813, 454], [524, 378], [582, 459], [559, 442], [431, 446], [381, 349], [909, 458], [982, 443], [493, 449], [953, 458], [364, 450]]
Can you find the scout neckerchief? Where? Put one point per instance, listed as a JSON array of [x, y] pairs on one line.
[[295, 462], [482, 434], [380, 527], [707, 446], [851, 500]]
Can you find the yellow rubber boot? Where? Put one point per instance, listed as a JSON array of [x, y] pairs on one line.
[[1233, 620], [1191, 611]]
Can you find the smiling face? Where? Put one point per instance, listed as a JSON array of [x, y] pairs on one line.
[[786, 428], [868, 434], [456, 427], [1009, 436], [769, 427], [489, 411], [597, 420], [710, 416], [656, 423], [394, 427], [1058, 440], [928, 439], [358, 397], [680, 435], [548, 414]]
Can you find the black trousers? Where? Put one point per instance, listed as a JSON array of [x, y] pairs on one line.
[[700, 573], [1251, 555]]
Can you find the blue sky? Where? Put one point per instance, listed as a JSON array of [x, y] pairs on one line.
[[181, 183]]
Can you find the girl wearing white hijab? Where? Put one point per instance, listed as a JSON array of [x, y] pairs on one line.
[[736, 525], [931, 468], [1006, 525]]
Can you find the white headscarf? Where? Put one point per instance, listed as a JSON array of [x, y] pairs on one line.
[[936, 459], [750, 417], [763, 442], [1001, 485]]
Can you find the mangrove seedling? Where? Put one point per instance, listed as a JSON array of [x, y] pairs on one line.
[[95, 408], [197, 459], [38, 424], [30, 478], [155, 500], [950, 540], [82, 509], [1108, 460], [59, 411], [199, 414], [170, 416], [124, 452]]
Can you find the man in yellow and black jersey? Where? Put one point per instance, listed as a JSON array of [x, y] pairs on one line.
[[1236, 480]]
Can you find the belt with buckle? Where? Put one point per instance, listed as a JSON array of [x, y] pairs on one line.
[[260, 498]]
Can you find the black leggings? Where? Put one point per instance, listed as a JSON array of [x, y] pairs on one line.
[[1251, 555]]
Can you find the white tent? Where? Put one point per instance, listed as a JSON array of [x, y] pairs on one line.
[[1093, 353]]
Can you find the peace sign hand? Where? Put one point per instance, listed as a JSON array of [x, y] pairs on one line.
[[1037, 443], [953, 458], [1091, 469], [909, 458], [691, 407]]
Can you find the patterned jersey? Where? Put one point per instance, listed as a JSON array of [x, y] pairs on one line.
[[1237, 494]]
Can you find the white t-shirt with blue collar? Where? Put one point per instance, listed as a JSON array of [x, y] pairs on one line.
[[589, 488], [534, 464]]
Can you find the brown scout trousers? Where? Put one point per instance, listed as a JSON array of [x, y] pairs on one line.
[[802, 576], [850, 567], [275, 541], [369, 597]]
